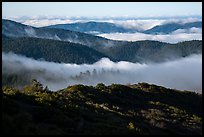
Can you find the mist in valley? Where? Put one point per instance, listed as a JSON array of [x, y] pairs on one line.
[[183, 74], [174, 37]]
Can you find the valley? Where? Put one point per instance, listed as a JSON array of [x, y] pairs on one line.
[[87, 68]]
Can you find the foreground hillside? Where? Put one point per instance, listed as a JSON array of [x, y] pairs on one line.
[[116, 109]]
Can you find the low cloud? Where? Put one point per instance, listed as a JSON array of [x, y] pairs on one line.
[[47, 22], [191, 30], [139, 25], [176, 36], [182, 21], [183, 74], [145, 24]]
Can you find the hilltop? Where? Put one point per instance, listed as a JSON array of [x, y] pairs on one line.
[[115, 109]]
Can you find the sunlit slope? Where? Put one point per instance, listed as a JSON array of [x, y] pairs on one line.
[[115, 109]]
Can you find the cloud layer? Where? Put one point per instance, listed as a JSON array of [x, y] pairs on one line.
[[183, 74], [133, 23], [177, 36]]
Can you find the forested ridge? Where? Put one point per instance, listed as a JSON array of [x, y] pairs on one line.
[[51, 50], [105, 27], [154, 51], [170, 27], [92, 27], [68, 52]]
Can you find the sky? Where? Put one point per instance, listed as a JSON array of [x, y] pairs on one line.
[[101, 9]]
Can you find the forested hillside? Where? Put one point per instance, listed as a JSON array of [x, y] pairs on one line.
[[51, 50], [154, 51], [67, 52]]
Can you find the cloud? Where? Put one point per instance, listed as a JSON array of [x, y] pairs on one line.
[[182, 20], [41, 21], [47, 22], [140, 24], [191, 30], [145, 24], [183, 74], [176, 36]]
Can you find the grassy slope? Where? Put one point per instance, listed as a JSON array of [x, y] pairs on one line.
[[114, 109]]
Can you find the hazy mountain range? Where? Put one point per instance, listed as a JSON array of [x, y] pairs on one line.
[[105, 27], [93, 27], [87, 48], [170, 27], [14, 29]]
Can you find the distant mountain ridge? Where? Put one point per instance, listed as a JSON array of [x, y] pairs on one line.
[[105, 27], [92, 27], [14, 29], [170, 27]]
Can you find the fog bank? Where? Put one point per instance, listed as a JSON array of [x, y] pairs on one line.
[[175, 37], [183, 74]]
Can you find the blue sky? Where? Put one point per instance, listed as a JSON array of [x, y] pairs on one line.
[[101, 9]]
